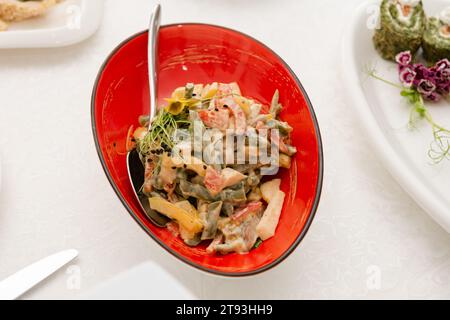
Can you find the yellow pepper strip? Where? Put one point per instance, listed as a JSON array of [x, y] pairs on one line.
[[188, 219]]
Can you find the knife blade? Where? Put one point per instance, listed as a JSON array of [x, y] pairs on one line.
[[16, 285]]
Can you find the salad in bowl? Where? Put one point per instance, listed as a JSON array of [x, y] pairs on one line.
[[205, 157], [234, 155]]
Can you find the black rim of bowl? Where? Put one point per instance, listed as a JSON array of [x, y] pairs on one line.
[[161, 243]]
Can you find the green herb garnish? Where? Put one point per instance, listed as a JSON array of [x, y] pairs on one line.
[[162, 131], [440, 146]]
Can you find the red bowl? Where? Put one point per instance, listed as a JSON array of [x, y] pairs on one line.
[[202, 53]]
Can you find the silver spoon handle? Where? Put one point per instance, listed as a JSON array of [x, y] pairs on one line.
[[153, 37]]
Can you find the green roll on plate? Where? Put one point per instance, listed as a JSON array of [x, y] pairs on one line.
[[402, 25], [436, 40]]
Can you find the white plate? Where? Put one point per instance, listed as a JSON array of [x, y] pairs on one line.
[[67, 23], [147, 281], [384, 114]]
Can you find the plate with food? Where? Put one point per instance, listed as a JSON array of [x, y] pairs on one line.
[[47, 23], [396, 68], [233, 159]]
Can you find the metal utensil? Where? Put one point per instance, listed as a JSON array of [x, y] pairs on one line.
[[16, 285], [134, 164]]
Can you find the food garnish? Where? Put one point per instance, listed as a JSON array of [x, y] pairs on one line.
[[419, 83]]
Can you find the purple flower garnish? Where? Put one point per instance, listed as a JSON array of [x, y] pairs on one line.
[[432, 83], [433, 96], [404, 58], [423, 72], [420, 83], [442, 65], [407, 76], [443, 88], [426, 87], [445, 75], [428, 90]]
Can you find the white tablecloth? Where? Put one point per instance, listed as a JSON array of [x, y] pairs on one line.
[[369, 239]]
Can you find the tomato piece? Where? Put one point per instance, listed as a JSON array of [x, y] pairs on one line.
[[213, 181], [215, 119], [252, 207]]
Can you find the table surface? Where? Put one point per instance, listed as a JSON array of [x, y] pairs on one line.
[[368, 240]]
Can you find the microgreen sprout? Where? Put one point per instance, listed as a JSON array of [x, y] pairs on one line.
[[417, 84]]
